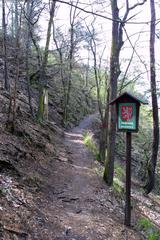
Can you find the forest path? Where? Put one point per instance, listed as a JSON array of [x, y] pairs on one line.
[[89, 210]]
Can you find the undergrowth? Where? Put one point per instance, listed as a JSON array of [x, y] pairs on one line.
[[90, 143], [145, 225], [119, 172], [118, 185]]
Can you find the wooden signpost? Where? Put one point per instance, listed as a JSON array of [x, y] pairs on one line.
[[127, 107]]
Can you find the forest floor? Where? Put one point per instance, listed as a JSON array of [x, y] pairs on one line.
[[63, 197]]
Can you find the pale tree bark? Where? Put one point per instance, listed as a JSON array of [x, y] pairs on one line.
[[155, 143], [43, 80]]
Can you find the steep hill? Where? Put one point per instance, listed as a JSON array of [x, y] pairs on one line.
[[49, 188]]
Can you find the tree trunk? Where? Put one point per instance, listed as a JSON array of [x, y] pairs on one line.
[[102, 144], [67, 100], [16, 17], [104, 130], [114, 74], [70, 59], [11, 122], [28, 50], [153, 161], [60, 53], [43, 80], [6, 79], [117, 43]]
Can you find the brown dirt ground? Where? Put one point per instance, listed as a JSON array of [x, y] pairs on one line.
[[60, 196]]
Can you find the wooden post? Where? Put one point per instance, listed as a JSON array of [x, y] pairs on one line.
[[127, 107], [128, 180]]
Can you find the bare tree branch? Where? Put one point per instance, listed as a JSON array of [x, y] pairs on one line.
[[106, 17], [137, 4], [136, 52], [125, 74]]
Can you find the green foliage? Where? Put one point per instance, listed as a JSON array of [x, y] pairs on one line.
[[101, 84], [147, 226], [51, 59], [119, 171], [144, 223], [90, 143], [80, 100], [118, 186], [154, 236], [117, 180], [41, 109]]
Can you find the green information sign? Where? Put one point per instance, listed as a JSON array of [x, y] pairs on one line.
[[127, 116]]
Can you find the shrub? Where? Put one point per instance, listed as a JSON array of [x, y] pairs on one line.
[[147, 226]]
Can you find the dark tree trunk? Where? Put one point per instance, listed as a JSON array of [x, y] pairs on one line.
[[114, 73], [28, 50], [11, 121], [16, 14], [117, 43], [153, 161], [62, 74], [6, 79]]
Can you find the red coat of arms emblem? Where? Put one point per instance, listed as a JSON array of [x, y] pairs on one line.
[[126, 113]]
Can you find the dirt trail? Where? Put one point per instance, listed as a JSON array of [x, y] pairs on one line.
[[64, 197], [68, 200], [89, 210]]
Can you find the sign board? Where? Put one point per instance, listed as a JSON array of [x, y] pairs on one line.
[[127, 116], [127, 107]]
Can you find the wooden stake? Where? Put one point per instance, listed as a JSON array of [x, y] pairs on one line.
[[128, 180]]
